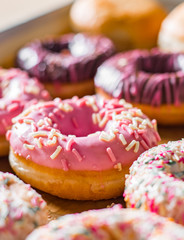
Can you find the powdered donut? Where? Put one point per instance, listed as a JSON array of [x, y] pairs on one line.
[[84, 145]]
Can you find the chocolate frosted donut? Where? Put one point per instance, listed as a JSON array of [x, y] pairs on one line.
[[69, 61], [152, 80]]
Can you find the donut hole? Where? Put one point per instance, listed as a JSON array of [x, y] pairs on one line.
[[78, 46], [166, 63], [78, 122]]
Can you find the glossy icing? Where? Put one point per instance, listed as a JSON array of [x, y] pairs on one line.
[[17, 91], [141, 76], [82, 134], [71, 58]]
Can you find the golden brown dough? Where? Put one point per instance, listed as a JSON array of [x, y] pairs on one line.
[[130, 24]]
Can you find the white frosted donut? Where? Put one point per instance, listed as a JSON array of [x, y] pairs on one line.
[[156, 183], [21, 208], [110, 224]]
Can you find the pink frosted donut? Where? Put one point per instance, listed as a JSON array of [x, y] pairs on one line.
[[21, 208], [85, 145], [17, 91], [110, 224], [156, 183]]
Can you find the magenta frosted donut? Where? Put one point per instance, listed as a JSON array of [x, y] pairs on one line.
[[79, 142], [110, 224], [156, 183], [151, 80], [17, 91], [67, 65], [22, 209]]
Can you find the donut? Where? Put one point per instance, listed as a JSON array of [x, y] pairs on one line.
[[67, 65], [22, 209], [155, 182], [17, 91], [110, 224], [151, 80], [85, 145], [128, 24], [171, 34]]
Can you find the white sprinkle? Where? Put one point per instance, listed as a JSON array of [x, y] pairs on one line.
[[28, 146], [98, 117], [55, 154], [111, 154], [131, 145], [136, 149], [40, 123], [53, 141], [76, 153], [52, 133], [59, 135], [104, 136], [122, 139], [32, 89], [103, 121], [118, 166], [39, 134], [28, 121], [38, 142], [65, 107]]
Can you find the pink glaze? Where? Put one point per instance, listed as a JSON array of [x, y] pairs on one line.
[[17, 91], [99, 140]]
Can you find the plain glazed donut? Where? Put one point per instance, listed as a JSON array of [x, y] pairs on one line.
[[110, 224], [67, 65], [171, 35], [156, 183], [17, 91], [128, 23], [151, 80], [79, 148], [21, 208]]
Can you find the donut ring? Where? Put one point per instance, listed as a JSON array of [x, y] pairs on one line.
[[67, 65], [48, 142], [17, 91], [152, 81], [21, 208], [111, 223], [156, 183]]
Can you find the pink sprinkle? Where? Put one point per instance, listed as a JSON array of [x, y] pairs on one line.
[[69, 144], [8, 135], [141, 131], [111, 154], [5, 124], [181, 159], [12, 107], [143, 143], [34, 201], [58, 112], [146, 139], [159, 166], [136, 135], [74, 121], [64, 163], [76, 153]]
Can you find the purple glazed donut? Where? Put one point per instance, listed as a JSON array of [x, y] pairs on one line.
[[151, 80], [66, 65]]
